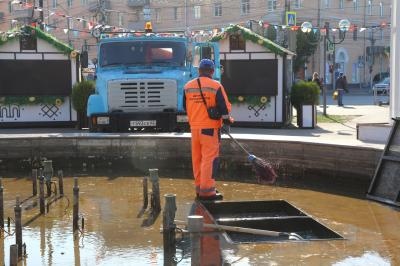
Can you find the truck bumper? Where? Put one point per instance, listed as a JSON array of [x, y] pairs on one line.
[[143, 121]]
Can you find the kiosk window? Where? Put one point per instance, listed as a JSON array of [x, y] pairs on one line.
[[250, 77], [28, 42], [237, 42]]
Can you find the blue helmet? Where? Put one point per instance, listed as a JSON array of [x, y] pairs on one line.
[[206, 64]]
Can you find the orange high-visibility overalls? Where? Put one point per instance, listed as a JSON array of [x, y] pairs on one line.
[[206, 133]]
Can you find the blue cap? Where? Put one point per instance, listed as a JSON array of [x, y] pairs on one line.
[[206, 64]]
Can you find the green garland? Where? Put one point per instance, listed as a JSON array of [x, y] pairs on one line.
[[32, 100], [249, 100], [254, 37], [15, 33]]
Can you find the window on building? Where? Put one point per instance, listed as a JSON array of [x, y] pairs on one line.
[[369, 7], [355, 4], [197, 12], [176, 13], [245, 7], [381, 35], [327, 3], [271, 5], [381, 13], [54, 3], [218, 10], [297, 4], [70, 24], [9, 7], [158, 15], [69, 3], [341, 4], [84, 2], [120, 19], [237, 42]]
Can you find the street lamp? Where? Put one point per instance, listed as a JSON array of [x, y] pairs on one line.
[[306, 27], [344, 27]]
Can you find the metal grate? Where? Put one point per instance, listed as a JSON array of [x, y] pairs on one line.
[[274, 215], [142, 95]]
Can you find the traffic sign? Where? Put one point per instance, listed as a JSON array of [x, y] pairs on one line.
[[291, 18]]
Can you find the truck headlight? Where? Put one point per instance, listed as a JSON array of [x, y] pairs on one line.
[[182, 119], [103, 120]]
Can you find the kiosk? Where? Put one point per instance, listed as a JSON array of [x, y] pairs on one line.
[[37, 73], [257, 75]]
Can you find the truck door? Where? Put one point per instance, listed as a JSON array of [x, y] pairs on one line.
[[206, 50]]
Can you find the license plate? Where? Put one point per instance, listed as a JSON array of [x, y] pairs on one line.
[[143, 123]]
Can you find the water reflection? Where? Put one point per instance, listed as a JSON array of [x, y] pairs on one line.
[[114, 236]]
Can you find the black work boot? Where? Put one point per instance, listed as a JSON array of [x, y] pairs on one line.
[[216, 197]]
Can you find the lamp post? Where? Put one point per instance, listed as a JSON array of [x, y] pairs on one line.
[[344, 26]]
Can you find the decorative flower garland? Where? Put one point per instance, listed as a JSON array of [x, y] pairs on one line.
[[29, 30], [249, 100], [252, 36], [32, 100]]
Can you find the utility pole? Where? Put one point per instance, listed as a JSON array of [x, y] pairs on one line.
[[186, 17], [41, 15], [325, 80], [334, 64], [286, 35], [372, 57], [364, 39]]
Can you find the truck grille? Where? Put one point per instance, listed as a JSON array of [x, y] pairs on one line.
[[142, 95]]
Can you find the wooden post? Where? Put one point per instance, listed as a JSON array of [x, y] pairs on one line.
[[1, 204], [169, 227], [155, 195], [75, 215], [18, 226], [61, 182], [34, 181], [145, 197], [145, 193], [48, 174], [41, 195], [195, 225], [14, 255]]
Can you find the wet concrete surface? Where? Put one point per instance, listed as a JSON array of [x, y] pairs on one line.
[[114, 236]]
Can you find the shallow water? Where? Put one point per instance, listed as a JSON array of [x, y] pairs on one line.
[[114, 236]]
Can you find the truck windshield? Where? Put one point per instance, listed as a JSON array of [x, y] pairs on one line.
[[162, 53]]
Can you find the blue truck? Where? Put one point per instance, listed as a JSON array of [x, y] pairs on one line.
[[140, 81]]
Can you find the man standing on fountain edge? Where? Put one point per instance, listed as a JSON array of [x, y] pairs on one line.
[[207, 106]]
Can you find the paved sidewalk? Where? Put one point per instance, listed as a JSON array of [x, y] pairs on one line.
[[327, 133]]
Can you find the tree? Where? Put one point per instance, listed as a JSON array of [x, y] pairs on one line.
[[306, 45], [270, 33]]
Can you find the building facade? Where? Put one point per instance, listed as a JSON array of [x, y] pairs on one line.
[[360, 58]]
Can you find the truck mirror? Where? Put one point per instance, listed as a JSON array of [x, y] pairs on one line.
[[84, 59]]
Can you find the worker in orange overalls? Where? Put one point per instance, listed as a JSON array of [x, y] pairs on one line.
[[207, 106]]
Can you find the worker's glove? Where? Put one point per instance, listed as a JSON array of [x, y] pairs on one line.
[[228, 120]]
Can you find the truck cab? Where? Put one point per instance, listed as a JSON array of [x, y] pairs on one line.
[[140, 80]]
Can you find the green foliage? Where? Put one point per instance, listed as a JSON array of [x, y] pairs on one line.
[[271, 33], [249, 100], [304, 93], [252, 36], [306, 44], [32, 100], [29, 30], [80, 94]]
